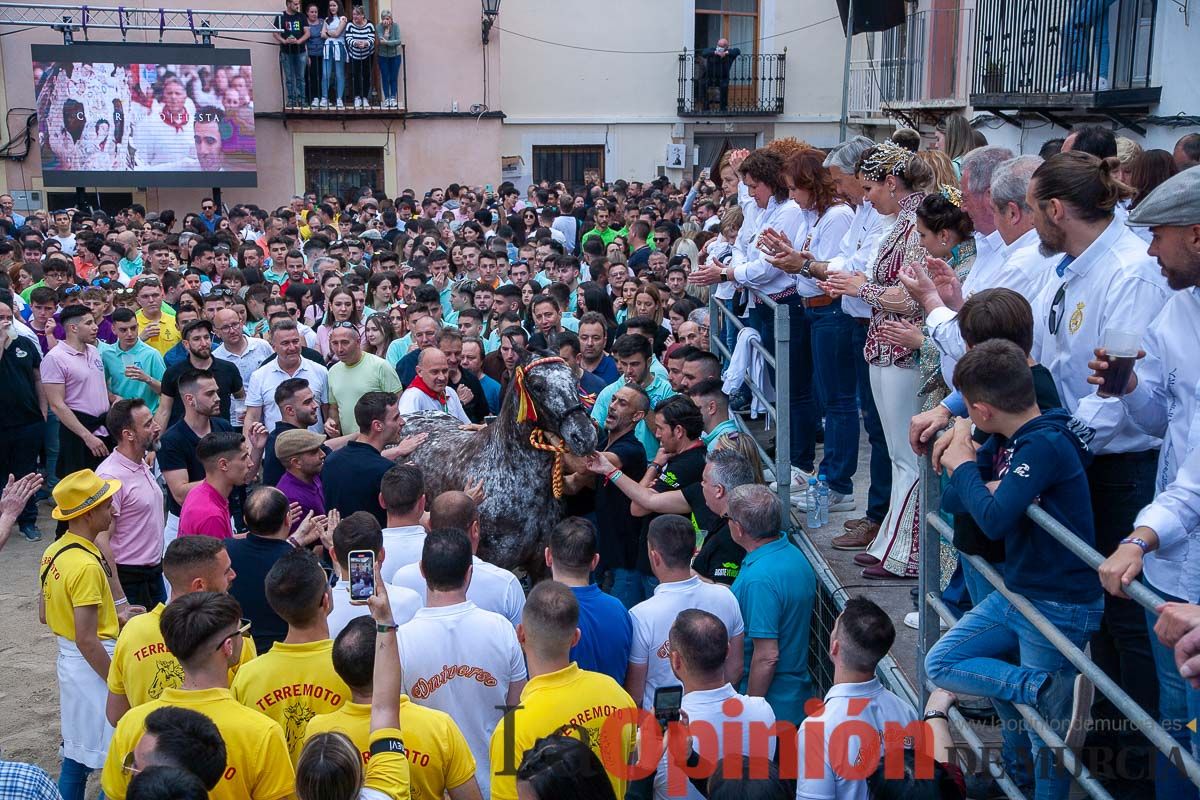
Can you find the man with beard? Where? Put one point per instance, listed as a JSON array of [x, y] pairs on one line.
[[1104, 281], [1160, 399], [197, 340], [134, 541]]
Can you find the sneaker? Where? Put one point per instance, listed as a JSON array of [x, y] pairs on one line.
[[799, 484], [325, 102], [1081, 713], [837, 502], [358, 102], [913, 620], [30, 532], [340, 104]]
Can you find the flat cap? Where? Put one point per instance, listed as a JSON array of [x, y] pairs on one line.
[[1176, 201], [294, 442]]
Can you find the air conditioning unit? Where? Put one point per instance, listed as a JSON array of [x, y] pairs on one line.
[[25, 201]]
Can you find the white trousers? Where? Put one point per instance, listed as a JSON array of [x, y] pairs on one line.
[[895, 393]]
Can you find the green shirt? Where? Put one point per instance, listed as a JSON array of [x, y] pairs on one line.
[[658, 390], [140, 355], [606, 236], [710, 438], [347, 384]]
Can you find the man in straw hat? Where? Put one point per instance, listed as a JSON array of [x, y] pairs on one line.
[[1160, 398], [77, 603]]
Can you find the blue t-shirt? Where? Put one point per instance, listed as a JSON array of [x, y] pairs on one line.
[[605, 633], [775, 589], [606, 370], [491, 391]]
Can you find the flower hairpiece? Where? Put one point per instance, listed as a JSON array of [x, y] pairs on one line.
[[951, 193], [886, 158]]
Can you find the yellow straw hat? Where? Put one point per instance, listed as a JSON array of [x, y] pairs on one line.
[[80, 492]]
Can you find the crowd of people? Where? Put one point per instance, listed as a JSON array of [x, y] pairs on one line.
[[213, 407]]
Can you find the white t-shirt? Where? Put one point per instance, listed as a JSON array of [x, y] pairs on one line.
[[492, 588], [881, 711], [401, 547], [405, 604], [707, 707], [266, 379], [414, 400], [653, 618], [461, 659]]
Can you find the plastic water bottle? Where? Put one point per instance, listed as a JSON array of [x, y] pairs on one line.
[[823, 500], [813, 514]]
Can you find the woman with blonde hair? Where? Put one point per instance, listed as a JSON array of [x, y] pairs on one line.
[[896, 182], [955, 138], [944, 173]]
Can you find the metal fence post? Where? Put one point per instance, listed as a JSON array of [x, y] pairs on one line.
[[929, 574], [783, 400]]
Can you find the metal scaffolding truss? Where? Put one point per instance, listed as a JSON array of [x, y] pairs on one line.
[[80, 19]]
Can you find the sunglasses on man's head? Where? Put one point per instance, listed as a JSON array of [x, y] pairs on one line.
[[102, 282], [72, 289]]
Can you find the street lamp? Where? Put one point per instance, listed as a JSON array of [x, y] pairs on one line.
[[491, 10]]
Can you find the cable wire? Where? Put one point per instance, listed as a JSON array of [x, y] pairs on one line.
[[659, 52]]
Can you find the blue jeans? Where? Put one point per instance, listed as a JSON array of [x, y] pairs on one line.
[[631, 586], [1086, 49], [802, 406], [389, 70], [72, 780], [970, 659], [879, 493], [50, 448], [338, 70], [293, 66], [1178, 704], [833, 372]]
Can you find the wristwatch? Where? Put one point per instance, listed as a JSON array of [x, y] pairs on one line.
[[382, 627], [934, 715], [724, 275], [1139, 541], [805, 268]]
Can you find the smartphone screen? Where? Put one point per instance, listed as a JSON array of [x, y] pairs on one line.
[[667, 701], [362, 575]]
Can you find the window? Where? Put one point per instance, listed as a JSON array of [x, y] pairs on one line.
[[733, 20], [342, 170], [574, 165]]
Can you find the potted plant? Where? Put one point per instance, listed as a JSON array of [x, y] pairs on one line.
[[993, 77]]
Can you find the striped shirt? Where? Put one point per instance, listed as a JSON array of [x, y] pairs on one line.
[[360, 40]]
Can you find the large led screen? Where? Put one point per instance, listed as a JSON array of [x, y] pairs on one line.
[[144, 115]]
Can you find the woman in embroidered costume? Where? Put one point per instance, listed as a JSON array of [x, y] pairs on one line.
[[896, 181]]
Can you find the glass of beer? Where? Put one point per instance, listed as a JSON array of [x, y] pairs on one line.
[[1121, 349]]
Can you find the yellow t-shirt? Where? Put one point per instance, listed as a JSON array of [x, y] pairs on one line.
[[387, 776], [76, 579], [142, 667], [291, 684], [168, 332], [438, 755], [256, 762], [571, 701]]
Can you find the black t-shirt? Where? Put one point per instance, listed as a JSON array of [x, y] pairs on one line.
[[292, 27], [477, 409], [618, 530], [720, 557], [252, 558], [967, 536], [229, 383], [177, 450], [684, 470], [19, 365], [351, 478]]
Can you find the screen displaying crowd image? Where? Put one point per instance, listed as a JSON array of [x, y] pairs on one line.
[[118, 116]]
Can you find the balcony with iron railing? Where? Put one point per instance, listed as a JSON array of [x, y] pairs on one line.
[[752, 87], [1065, 54], [364, 90], [920, 65]]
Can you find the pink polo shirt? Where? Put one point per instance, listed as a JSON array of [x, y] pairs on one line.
[[205, 513], [137, 511], [81, 372]]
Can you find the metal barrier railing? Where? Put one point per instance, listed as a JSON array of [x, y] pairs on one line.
[[933, 528], [719, 316]]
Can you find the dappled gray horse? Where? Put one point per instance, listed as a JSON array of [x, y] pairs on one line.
[[514, 457]]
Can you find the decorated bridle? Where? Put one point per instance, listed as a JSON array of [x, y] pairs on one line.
[[527, 412]]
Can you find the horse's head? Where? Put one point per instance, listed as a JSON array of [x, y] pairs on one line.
[[552, 394]]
